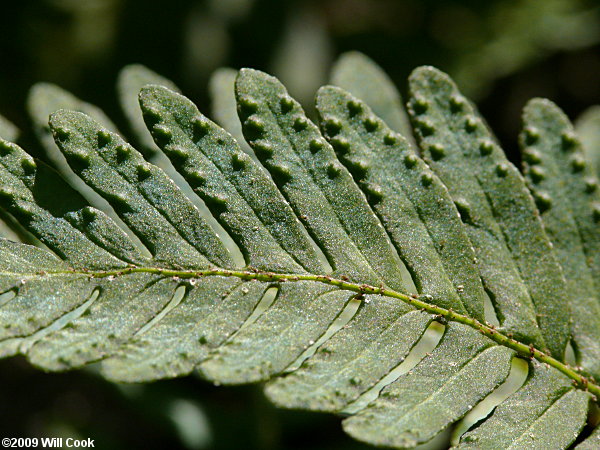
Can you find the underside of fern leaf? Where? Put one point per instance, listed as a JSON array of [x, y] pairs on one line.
[[327, 216]]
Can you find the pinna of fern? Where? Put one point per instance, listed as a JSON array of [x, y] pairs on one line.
[[314, 258]]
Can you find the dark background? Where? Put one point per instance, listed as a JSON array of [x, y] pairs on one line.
[[501, 53]]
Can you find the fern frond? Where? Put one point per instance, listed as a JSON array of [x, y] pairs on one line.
[[319, 266]]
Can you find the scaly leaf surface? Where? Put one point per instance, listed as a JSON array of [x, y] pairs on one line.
[[327, 219]]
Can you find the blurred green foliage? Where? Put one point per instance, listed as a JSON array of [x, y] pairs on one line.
[[501, 52]]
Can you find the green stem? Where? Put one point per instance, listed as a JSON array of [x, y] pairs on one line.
[[523, 350]]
